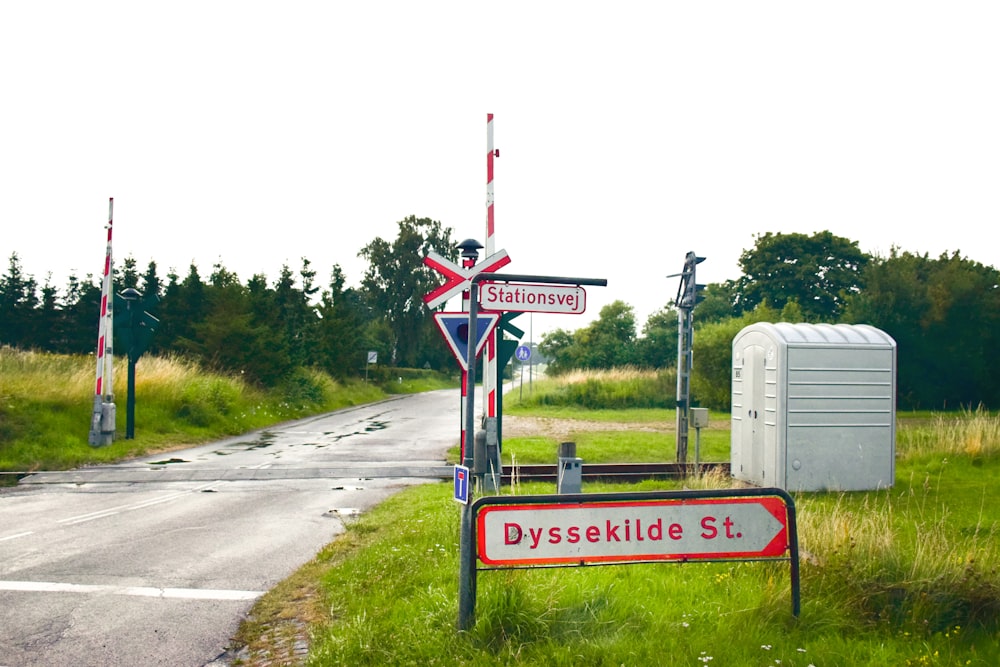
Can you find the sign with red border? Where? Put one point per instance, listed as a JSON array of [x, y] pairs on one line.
[[533, 298], [455, 329], [458, 278], [579, 533]]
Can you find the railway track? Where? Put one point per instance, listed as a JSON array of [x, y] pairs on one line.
[[609, 472]]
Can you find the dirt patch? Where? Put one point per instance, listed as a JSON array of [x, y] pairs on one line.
[[564, 429]]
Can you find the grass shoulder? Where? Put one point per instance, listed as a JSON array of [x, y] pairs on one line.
[[901, 576], [46, 402]]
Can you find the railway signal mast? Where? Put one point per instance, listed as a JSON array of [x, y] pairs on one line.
[[688, 296]]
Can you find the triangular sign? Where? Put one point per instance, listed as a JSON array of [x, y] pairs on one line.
[[455, 329]]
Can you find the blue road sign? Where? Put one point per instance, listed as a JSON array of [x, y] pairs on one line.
[[462, 484], [523, 353]]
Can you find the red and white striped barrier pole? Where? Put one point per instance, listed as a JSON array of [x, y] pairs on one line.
[[105, 337], [490, 361], [104, 386]]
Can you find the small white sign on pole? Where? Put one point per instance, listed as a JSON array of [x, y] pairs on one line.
[[532, 298]]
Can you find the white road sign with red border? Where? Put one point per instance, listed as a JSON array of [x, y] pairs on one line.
[[632, 531], [533, 298]]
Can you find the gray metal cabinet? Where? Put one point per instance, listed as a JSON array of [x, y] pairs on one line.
[[814, 406]]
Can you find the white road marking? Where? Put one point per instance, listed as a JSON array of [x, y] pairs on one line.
[[111, 511], [140, 591], [15, 536]]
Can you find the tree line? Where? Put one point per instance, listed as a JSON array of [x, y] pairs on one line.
[[943, 312], [261, 329]]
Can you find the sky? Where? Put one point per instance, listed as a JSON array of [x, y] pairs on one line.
[[253, 134]]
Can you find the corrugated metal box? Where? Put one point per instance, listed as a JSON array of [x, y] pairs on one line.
[[814, 407]]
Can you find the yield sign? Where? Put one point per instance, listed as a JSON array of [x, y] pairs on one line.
[[455, 328], [458, 278]]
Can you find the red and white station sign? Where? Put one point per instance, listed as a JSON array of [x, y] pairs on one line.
[[632, 531], [533, 298]]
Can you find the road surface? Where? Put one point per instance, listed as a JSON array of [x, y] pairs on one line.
[[156, 561]]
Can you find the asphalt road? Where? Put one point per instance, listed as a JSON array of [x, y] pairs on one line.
[[156, 561]]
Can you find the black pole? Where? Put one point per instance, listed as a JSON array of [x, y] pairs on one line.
[[130, 403], [133, 330], [467, 551]]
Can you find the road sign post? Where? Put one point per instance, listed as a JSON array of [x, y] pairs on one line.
[[466, 577]]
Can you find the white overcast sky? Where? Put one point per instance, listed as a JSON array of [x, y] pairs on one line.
[[257, 133]]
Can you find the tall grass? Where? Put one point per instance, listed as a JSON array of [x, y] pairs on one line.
[[46, 401], [875, 591], [613, 389], [974, 433], [907, 575]]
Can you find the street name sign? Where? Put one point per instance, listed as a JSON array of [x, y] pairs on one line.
[[533, 298], [556, 533], [582, 529]]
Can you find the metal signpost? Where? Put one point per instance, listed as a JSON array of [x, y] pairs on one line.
[[467, 585], [522, 354], [136, 331], [457, 279]]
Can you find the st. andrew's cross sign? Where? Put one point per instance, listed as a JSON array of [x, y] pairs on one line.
[[457, 278]]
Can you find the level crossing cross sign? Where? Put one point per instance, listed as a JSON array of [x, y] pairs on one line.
[[455, 329], [458, 278]]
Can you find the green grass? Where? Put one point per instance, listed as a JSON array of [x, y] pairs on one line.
[[46, 402], [598, 446], [881, 585], [900, 576]]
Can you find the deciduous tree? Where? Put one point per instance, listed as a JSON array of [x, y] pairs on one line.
[[397, 280], [819, 272]]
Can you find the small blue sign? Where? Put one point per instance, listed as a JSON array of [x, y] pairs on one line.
[[523, 353], [462, 484]]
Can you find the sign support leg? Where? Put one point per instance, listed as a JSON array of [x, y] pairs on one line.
[[467, 572]]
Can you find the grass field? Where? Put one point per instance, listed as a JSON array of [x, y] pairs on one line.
[[900, 576]]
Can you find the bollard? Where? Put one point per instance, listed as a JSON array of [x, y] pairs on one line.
[[479, 453], [493, 469], [570, 469], [102, 428]]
